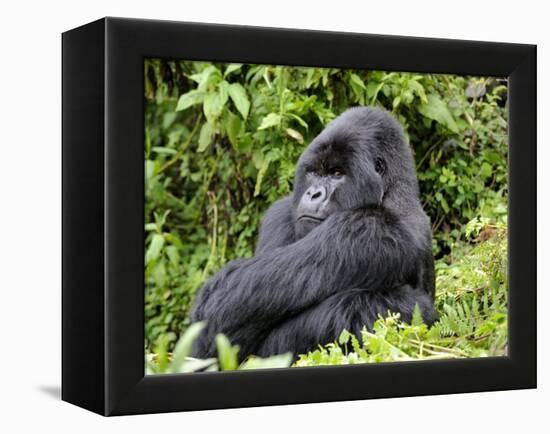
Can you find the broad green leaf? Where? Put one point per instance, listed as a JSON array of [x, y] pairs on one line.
[[184, 345], [258, 158], [213, 106], [190, 98], [271, 120], [356, 80], [437, 110], [232, 127], [207, 78], [239, 98], [227, 354], [295, 135], [274, 362], [205, 136], [300, 120], [356, 346], [373, 88], [232, 67], [396, 101], [196, 176], [162, 150], [168, 119], [153, 252], [358, 87], [244, 143], [150, 227], [486, 170], [418, 89], [260, 177], [223, 91], [173, 254], [494, 157], [444, 204], [344, 337], [475, 89], [282, 76], [417, 319], [149, 169]]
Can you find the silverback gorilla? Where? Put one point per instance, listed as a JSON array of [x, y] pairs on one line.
[[351, 242]]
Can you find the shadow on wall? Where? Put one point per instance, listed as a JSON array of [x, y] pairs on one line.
[[51, 391]]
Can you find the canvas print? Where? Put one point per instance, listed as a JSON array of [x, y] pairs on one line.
[[299, 216]]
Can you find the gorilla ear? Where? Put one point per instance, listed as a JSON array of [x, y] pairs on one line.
[[380, 166]]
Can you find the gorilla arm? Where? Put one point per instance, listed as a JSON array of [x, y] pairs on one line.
[[277, 230], [352, 249], [352, 310]]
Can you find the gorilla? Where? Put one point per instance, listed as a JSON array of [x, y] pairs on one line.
[[351, 242]]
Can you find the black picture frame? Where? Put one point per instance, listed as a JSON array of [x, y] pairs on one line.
[[103, 217]]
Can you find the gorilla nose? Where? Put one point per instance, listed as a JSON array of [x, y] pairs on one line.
[[316, 194]]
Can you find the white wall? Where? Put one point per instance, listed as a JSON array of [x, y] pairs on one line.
[[30, 80]]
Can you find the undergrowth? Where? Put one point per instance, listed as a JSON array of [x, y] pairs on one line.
[[471, 299]]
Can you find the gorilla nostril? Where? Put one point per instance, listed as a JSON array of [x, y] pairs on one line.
[[318, 194], [315, 194]]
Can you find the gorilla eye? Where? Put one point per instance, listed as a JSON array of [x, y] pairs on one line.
[[380, 166], [337, 173]]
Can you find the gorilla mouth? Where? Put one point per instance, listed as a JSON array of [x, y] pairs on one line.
[[310, 218]]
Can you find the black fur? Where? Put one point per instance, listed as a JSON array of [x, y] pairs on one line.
[[309, 280]]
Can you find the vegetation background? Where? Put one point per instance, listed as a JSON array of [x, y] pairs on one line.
[[221, 143]]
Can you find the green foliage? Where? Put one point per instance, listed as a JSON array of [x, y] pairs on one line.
[[472, 301], [473, 321], [179, 362], [222, 141]]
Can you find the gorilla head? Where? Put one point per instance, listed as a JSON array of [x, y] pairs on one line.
[[360, 159]]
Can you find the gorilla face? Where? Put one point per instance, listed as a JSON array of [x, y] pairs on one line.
[[342, 169], [325, 177]]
